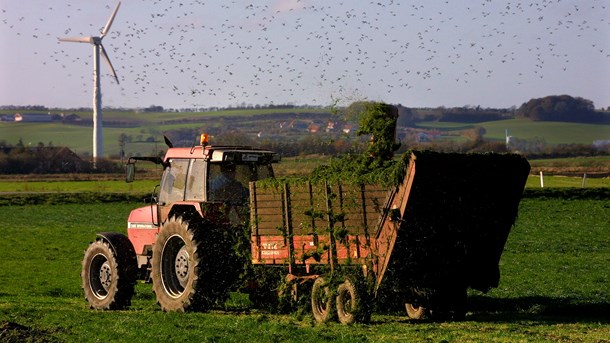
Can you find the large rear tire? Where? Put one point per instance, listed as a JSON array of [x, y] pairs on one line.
[[177, 268], [322, 301], [108, 279]]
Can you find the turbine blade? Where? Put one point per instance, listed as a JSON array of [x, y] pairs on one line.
[[105, 56], [109, 23], [77, 39]]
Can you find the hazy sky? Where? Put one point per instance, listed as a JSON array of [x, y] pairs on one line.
[[185, 54]]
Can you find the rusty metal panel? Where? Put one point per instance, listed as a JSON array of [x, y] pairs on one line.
[[310, 215]]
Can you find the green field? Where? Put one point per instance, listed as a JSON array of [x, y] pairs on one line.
[[554, 287], [146, 186], [551, 132]]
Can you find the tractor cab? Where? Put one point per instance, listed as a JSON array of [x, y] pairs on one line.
[[207, 173]]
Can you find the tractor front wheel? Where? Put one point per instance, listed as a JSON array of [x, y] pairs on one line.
[[107, 281]]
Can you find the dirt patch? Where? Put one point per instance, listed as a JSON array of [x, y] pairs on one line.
[[12, 332]]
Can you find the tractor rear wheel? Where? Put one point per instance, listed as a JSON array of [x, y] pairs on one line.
[[107, 281], [322, 301], [177, 268]]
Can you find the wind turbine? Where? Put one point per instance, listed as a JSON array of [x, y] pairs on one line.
[[98, 138]]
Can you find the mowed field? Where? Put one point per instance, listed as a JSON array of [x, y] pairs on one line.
[[555, 286]]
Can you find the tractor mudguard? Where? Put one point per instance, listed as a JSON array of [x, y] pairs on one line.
[[119, 243]]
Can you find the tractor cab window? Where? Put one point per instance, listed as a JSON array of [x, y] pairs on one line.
[[226, 183], [195, 186], [173, 182], [229, 182]]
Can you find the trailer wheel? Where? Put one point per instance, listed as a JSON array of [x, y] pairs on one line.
[[177, 270], [351, 303], [415, 311], [453, 306], [107, 282], [322, 301]]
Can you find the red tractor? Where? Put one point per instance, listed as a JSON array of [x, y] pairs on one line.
[[191, 220]]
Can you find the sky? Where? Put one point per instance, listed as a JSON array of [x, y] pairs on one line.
[[200, 54]]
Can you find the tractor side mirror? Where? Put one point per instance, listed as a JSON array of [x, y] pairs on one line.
[[130, 172]]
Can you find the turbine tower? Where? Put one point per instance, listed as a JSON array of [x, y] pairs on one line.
[[98, 138]]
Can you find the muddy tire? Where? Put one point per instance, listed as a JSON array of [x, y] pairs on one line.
[[108, 277], [177, 268], [322, 301], [415, 311], [351, 302]]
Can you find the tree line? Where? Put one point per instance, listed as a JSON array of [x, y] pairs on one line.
[[563, 108]]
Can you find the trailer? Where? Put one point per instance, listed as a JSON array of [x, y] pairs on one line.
[[437, 233]]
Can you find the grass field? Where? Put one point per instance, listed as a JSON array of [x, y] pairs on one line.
[[554, 287], [147, 186], [294, 166], [551, 132], [144, 186]]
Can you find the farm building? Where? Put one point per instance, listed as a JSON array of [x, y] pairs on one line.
[[33, 118]]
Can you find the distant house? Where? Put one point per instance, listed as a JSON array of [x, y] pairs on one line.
[[33, 118], [347, 128], [313, 128]]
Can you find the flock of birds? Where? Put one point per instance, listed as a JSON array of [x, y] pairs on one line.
[[215, 53]]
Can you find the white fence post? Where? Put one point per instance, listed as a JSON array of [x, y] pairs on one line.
[[584, 180], [541, 180]]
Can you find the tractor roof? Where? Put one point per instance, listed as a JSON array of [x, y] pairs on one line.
[[223, 154]]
